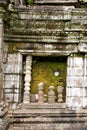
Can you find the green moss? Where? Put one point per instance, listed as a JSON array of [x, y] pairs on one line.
[[10, 47], [78, 54], [30, 2], [15, 46], [43, 71], [83, 0]]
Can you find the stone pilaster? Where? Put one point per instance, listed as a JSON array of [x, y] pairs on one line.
[[1, 56], [84, 96], [27, 79], [75, 79], [12, 71]]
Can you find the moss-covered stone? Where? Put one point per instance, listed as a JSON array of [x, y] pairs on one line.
[[83, 0], [43, 71]]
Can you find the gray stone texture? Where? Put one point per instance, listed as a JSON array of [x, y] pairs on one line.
[[48, 116], [76, 81], [45, 31], [61, 30], [12, 75], [1, 57]]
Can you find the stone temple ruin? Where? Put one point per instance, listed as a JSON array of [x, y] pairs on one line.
[[43, 64]]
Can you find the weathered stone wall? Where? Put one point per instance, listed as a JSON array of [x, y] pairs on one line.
[[77, 81], [3, 52], [48, 31], [12, 77], [56, 30]]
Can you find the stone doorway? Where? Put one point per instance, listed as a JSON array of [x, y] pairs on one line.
[[52, 72]]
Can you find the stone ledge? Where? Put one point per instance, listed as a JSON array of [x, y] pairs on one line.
[[34, 39], [44, 106], [32, 117], [56, 1]]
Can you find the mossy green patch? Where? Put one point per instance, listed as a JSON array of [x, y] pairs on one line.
[[10, 47], [43, 71]]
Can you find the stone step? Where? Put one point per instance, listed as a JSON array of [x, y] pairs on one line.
[[47, 116], [4, 123], [44, 106], [55, 1], [57, 109], [55, 126]]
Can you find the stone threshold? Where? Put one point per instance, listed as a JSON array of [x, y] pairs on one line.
[[44, 105], [56, 1], [45, 108], [33, 116]]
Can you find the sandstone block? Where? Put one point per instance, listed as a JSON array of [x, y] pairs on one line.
[[70, 71], [0, 42], [75, 71], [8, 84], [11, 68], [75, 61], [10, 97], [68, 92], [13, 58], [85, 91], [70, 61], [1, 30], [78, 71], [78, 81], [70, 81], [78, 61], [74, 102], [84, 101], [0, 76], [75, 92], [11, 77]]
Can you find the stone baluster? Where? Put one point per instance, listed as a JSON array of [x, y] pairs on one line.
[[60, 94], [51, 95], [40, 93], [27, 79]]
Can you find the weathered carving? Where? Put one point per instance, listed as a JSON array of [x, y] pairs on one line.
[[51, 95], [40, 93], [27, 79], [60, 96]]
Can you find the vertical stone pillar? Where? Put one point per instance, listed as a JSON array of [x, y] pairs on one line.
[[84, 88], [40, 93], [60, 94], [27, 79], [1, 56], [75, 79]]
